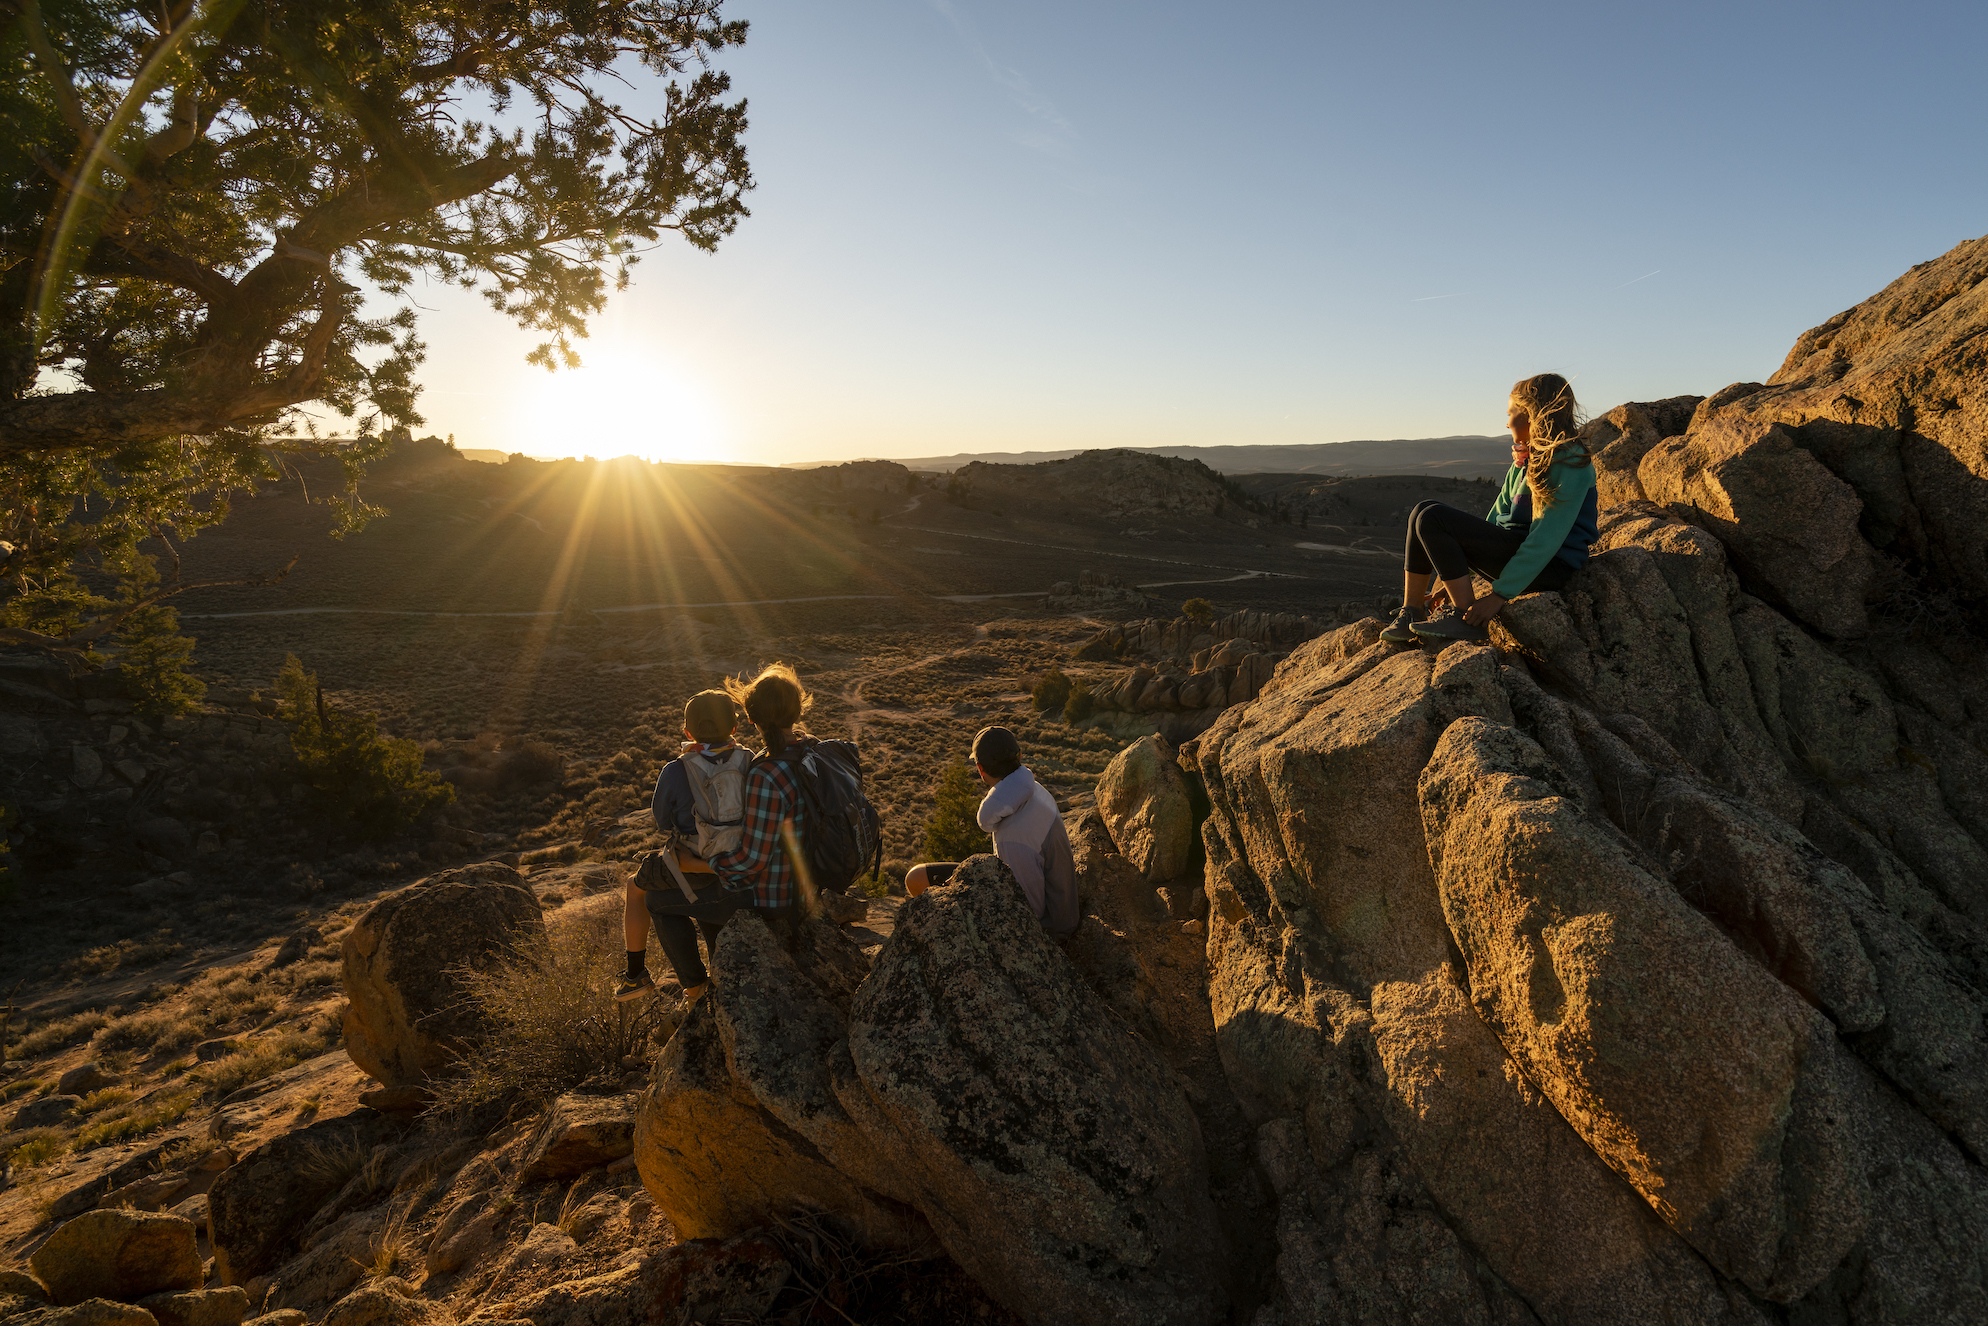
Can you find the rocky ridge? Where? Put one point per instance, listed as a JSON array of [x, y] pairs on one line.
[[1629, 968]]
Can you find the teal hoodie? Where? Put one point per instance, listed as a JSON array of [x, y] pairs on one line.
[[1565, 531]]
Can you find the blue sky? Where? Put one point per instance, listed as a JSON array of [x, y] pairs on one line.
[[1024, 225]]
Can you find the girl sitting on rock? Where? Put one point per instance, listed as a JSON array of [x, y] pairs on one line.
[[760, 872], [1536, 537]]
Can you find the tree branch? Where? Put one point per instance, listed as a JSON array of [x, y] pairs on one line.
[[91, 632]]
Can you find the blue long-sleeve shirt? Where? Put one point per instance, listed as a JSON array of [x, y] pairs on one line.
[[1565, 530], [673, 806]]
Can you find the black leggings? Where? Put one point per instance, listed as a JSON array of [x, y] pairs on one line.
[[1453, 543], [677, 921]]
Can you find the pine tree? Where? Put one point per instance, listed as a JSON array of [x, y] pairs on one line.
[[952, 833], [358, 776], [154, 659]]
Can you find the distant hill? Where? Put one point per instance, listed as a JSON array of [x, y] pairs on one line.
[[1461, 457]]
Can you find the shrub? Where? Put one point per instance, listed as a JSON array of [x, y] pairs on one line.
[[264, 1059], [550, 1003], [38, 1146], [528, 764], [153, 658], [1198, 610], [1079, 706], [952, 834], [51, 1036], [1052, 689], [154, 1030], [123, 1122], [124, 953], [373, 783]]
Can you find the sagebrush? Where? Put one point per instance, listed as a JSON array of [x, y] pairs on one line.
[[549, 1000]]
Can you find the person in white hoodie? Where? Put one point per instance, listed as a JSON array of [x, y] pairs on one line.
[[1021, 816]]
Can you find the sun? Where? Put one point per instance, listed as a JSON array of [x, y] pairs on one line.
[[619, 402]]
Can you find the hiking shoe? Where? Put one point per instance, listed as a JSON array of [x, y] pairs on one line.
[[1401, 631], [633, 987], [1450, 626]]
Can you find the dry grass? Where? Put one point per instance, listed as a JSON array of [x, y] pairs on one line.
[[56, 1035], [99, 1101], [183, 1153], [38, 1147], [264, 1059], [331, 1163], [20, 1088], [391, 1250], [552, 1003], [121, 1123], [101, 962], [153, 1030]]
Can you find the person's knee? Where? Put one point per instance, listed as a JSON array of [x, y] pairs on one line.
[[917, 880]]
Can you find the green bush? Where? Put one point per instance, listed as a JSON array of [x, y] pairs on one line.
[[1198, 610], [358, 776], [1051, 690], [153, 657], [952, 833], [1079, 706]]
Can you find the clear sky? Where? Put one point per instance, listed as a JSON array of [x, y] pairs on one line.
[[1029, 225]]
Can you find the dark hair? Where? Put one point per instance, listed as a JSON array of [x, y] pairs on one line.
[[997, 750]]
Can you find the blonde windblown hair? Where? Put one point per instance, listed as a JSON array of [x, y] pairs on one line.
[[775, 700], [1547, 401]]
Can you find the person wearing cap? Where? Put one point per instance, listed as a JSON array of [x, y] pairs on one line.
[[653, 896], [1021, 816]]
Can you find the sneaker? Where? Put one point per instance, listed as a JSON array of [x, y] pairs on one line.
[[633, 987], [1401, 631], [1450, 626]]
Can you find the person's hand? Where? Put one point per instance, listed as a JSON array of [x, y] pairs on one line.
[[1483, 610]]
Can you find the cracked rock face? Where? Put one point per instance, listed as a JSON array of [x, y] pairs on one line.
[[973, 1094], [1644, 952]]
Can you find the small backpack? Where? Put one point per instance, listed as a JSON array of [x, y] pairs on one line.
[[717, 786], [842, 833]]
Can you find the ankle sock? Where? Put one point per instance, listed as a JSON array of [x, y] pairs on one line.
[[638, 965]]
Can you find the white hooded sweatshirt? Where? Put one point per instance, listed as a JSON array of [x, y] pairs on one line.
[[1029, 835]]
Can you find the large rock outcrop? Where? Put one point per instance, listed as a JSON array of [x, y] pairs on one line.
[[1143, 798], [1642, 952], [1858, 473], [1054, 1154], [407, 1018], [969, 1093]]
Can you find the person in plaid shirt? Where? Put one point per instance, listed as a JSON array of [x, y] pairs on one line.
[[763, 865], [761, 873]]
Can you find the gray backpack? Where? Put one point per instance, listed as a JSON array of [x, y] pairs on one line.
[[718, 788]]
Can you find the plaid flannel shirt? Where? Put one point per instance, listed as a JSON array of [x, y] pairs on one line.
[[765, 860]]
